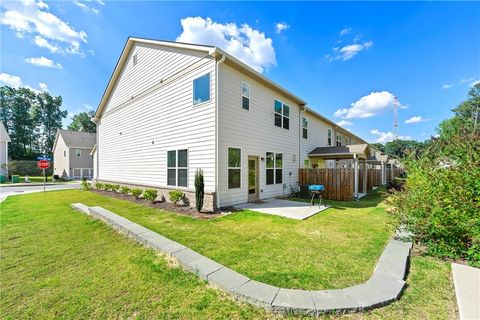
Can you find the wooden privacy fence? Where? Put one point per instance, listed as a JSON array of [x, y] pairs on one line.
[[374, 178], [338, 182]]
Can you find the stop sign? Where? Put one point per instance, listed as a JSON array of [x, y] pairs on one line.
[[43, 164]]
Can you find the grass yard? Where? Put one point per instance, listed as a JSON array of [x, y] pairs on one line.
[[57, 263]]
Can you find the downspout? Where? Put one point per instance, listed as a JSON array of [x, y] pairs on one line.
[[217, 82], [300, 131], [96, 143]]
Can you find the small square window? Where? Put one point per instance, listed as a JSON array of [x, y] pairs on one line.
[[201, 89], [78, 153]]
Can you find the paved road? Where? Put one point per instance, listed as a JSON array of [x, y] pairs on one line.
[[11, 190]]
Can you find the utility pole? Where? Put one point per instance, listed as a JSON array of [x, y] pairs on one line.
[[395, 117]]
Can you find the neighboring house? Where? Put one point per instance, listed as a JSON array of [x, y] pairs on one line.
[[4, 140], [71, 154], [171, 108]]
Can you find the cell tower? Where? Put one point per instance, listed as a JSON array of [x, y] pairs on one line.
[[395, 117]]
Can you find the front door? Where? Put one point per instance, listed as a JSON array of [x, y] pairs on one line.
[[252, 178]]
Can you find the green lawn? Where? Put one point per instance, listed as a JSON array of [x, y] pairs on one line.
[[58, 263]]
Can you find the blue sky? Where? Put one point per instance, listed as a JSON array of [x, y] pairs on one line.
[[346, 59]]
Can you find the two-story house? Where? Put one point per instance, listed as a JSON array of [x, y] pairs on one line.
[[71, 154], [171, 108]]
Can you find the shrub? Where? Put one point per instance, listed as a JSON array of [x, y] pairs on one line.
[[27, 168], [440, 202], [107, 187], [176, 196], [115, 187], [99, 186], [199, 189], [136, 192], [125, 190], [86, 186], [150, 194]]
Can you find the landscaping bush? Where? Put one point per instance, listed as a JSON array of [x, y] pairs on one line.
[[176, 196], [86, 186], [115, 187], [150, 194], [99, 186], [107, 187], [136, 192], [199, 189], [440, 203], [125, 190]]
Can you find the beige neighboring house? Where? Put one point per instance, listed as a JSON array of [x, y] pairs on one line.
[[4, 140], [71, 154]]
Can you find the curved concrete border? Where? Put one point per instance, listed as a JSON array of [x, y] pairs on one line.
[[385, 285]]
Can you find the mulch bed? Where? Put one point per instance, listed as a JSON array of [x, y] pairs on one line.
[[162, 205]]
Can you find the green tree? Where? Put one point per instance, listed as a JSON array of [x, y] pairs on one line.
[[16, 113], [82, 122], [48, 115]]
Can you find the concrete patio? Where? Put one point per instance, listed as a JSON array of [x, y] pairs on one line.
[[284, 208]]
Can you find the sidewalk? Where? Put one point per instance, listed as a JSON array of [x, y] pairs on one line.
[[467, 290]]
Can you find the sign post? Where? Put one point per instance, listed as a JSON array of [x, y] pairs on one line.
[[43, 164]]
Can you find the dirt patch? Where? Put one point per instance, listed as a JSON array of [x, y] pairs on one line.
[[166, 206]]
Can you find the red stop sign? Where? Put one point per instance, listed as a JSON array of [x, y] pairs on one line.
[[43, 164]]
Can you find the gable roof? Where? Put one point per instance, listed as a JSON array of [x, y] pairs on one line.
[[3, 133], [76, 139], [216, 53]]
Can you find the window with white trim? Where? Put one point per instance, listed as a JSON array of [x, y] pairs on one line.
[[274, 168], [245, 96], [234, 168], [177, 168], [135, 59], [78, 153], [339, 140], [282, 115], [201, 89], [329, 137], [305, 128]]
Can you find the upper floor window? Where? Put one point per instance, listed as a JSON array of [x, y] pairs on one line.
[[64, 153], [78, 153], [201, 89], [282, 115], [177, 168], [245, 96], [274, 168], [234, 168], [329, 137], [305, 128], [135, 59], [339, 140]]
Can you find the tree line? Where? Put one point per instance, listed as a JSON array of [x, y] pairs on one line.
[[32, 120]]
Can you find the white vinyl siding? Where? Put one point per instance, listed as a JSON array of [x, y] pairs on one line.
[[134, 139], [255, 134]]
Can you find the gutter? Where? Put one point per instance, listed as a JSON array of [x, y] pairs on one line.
[[300, 133], [217, 82]]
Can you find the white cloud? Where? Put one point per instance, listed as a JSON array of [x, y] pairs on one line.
[[43, 62], [10, 80], [415, 119], [383, 137], [31, 17], [344, 123], [281, 26], [345, 31], [475, 82], [86, 7], [43, 86], [16, 82], [88, 107], [367, 106], [245, 43], [348, 52], [44, 43], [464, 80], [447, 86]]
